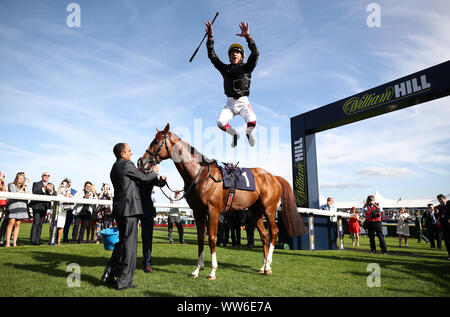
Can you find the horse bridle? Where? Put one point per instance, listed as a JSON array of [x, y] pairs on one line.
[[154, 156], [193, 183]]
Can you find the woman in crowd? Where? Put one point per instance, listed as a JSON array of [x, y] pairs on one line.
[[64, 190], [17, 209], [92, 227], [353, 226], [403, 227], [3, 202]]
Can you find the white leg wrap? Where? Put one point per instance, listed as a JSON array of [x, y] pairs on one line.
[[200, 265], [269, 256], [214, 265]]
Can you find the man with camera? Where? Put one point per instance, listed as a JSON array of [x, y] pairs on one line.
[[373, 223], [104, 217]]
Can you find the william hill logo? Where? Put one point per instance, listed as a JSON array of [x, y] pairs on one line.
[[301, 194], [400, 90]]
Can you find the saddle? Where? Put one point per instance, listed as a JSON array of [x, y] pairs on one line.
[[234, 178]]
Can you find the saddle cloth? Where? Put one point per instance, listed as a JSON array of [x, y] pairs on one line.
[[244, 177]]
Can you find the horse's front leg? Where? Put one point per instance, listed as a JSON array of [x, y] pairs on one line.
[[200, 222], [264, 239], [213, 224]]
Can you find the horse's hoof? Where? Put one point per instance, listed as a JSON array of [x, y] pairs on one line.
[[211, 278], [192, 275], [268, 272]]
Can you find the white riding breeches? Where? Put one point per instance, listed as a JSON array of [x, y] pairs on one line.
[[235, 107]]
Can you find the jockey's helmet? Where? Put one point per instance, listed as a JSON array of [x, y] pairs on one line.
[[236, 47]]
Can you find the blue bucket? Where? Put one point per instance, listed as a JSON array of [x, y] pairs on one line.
[[110, 237]]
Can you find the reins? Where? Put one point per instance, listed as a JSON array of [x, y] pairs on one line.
[[193, 183]]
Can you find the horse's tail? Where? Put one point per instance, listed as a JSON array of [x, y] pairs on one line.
[[291, 218]]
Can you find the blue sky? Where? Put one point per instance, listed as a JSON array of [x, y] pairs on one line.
[[67, 95]]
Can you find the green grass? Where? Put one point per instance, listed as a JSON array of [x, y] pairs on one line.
[[41, 270]]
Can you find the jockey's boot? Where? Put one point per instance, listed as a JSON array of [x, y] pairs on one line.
[[251, 139], [231, 131]]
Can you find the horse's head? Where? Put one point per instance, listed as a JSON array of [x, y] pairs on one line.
[[159, 150]]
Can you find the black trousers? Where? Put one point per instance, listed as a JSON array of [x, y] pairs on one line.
[[235, 225], [434, 234], [69, 221], [123, 259], [249, 228], [446, 237], [374, 227], [147, 239], [36, 228], [3, 228], [83, 220], [222, 231]]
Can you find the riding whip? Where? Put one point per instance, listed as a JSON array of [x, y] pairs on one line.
[[193, 55]]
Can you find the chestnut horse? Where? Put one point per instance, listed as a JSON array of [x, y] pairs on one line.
[[204, 192]]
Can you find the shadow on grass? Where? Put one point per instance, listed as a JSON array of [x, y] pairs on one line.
[[162, 263], [49, 263], [53, 264], [437, 272]]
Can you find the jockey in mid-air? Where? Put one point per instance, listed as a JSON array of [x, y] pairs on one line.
[[237, 79]]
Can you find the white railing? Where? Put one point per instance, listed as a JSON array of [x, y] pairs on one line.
[[310, 212], [181, 205], [320, 212], [49, 198]]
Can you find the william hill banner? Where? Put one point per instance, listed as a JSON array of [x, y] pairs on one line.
[[419, 87], [396, 92]]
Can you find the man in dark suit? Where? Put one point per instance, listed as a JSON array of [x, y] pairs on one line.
[[432, 226], [44, 187], [443, 216], [147, 219], [127, 209]]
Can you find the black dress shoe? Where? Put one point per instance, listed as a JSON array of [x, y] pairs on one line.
[[107, 278], [126, 287]]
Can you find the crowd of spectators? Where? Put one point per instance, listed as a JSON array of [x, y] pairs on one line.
[[432, 226], [85, 220]]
